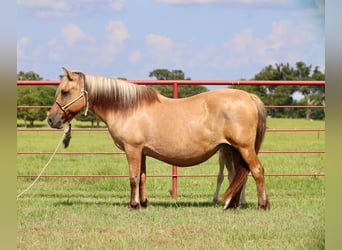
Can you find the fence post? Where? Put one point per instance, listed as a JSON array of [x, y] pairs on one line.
[[174, 168]]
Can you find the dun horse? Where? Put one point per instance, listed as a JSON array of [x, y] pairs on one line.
[[183, 132]]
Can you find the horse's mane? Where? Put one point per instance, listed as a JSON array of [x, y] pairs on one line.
[[106, 92]]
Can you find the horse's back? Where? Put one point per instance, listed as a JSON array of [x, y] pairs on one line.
[[217, 97]]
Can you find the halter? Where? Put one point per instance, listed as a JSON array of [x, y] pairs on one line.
[[83, 94]]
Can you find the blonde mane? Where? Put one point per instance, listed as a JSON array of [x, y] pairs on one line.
[[106, 92]]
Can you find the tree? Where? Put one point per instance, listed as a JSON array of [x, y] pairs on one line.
[[28, 76], [91, 117], [314, 95], [183, 90], [278, 94], [283, 95], [33, 96]]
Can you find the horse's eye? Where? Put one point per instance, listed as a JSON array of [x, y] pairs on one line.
[[64, 93]]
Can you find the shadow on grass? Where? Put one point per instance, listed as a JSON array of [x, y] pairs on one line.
[[162, 204], [123, 201], [165, 204]]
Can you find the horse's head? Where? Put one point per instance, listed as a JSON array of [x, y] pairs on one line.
[[71, 98]]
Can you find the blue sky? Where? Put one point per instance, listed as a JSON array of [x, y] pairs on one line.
[[207, 39]]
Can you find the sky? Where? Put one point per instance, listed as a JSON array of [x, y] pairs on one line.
[[207, 39]]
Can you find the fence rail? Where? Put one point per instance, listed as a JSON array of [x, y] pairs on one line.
[[266, 106], [122, 153], [156, 175], [105, 129], [194, 82], [175, 84]]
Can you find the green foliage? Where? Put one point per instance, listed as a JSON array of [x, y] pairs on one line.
[[90, 117], [183, 90], [28, 76], [315, 114], [280, 95], [33, 96]]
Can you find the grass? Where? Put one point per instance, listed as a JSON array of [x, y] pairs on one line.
[[88, 213]]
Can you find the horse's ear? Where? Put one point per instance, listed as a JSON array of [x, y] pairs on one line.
[[68, 73]]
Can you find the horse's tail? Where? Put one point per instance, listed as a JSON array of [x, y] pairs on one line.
[[261, 122]]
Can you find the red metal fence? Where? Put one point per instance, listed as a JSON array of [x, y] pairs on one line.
[[175, 84]]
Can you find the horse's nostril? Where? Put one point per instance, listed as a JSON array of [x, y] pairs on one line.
[[50, 121]]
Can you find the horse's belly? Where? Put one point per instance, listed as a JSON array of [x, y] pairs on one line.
[[182, 158]]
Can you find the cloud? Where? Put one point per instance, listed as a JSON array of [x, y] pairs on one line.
[[47, 4], [46, 8], [247, 51], [161, 49], [163, 52], [73, 34], [287, 42], [103, 5], [116, 5], [186, 2], [116, 34], [64, 8], [135, 56], [227, 2], [91, 52], [159, 42], [22, 44], [116, 31], [54, 50], [317, 5]]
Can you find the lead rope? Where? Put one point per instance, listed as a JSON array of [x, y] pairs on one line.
[[66, 132], [86, 103]]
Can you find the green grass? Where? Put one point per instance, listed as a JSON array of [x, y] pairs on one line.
[[92, 213]]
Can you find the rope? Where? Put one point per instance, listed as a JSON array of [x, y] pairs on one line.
[[47, 164]]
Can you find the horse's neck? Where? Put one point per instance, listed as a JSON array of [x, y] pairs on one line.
[[104, 115]]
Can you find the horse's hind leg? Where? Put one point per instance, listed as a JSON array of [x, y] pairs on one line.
[[231, 165], [142, 185], [251, 158], [238, 199], [231, 198], [224, 157]]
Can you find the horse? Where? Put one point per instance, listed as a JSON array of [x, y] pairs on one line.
[[182, 132], [226, 159]]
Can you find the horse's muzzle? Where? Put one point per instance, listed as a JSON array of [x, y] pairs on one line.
[[55, 121]]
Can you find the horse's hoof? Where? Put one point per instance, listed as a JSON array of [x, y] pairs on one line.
[[266, 206], [134, 206], [145, 203], [243, 205], [231, 205]]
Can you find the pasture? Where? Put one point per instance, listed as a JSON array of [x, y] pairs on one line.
[[92, 213]]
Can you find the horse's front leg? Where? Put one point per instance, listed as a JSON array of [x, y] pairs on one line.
[[134, 161], [142, 186]]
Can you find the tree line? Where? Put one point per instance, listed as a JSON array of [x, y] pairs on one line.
[[278, 95]]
